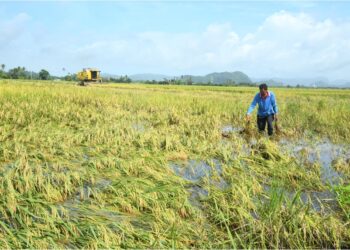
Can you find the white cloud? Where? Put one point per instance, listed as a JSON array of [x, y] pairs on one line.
[[305, 46], [285, 45], [12, 29]]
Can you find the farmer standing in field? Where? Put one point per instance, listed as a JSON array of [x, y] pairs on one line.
[[267, 111]]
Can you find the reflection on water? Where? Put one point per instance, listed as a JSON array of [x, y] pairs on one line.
[[324, 153], [320, 201], [197, 171], [230, 129]]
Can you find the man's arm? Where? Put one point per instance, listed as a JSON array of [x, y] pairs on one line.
[[252, 106], [274, 105]]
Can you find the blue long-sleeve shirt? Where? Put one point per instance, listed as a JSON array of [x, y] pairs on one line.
[[267, 106]]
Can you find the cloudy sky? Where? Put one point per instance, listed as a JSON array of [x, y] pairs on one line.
[[291, 39]]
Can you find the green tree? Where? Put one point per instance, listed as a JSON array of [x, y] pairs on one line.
[[44, 74], [2, 71], [17, 73], [70, 77], [189, 81], [121, 79]]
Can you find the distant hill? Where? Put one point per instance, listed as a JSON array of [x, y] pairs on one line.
[[213, 78], [236, 77], [320, 82], [107, 75], [149, 77], [269, 82]]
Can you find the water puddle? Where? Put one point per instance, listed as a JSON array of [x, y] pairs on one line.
[[228, 130], [196, 194], [87, 190], [75, 207], [323, 201], [231, 129], [139, 127], [325, 153], [76, 210], [197, 171], [320, 201]]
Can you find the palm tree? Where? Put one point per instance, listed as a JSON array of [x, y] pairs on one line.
[[3, 67]]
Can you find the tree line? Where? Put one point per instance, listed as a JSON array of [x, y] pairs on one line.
[[189, 81], [23, 73]]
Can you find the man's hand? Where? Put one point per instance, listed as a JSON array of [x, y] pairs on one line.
[[247, 117], [276, 117]]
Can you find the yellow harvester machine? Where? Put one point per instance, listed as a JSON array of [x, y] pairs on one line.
[[89, 75]]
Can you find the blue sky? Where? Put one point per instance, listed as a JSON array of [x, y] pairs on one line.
[[291, 39]]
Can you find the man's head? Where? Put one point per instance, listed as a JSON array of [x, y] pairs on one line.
[[263, 89]]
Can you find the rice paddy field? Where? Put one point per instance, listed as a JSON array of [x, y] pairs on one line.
[[147, 166]]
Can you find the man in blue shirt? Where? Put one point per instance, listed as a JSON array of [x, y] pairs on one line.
[[267, 111]]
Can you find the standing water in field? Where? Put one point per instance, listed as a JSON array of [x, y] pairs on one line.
[[197, 171], [227, 129], [194, 170], [320, 201], [139, 127], [75, 206], [196, 194], [324, 153]]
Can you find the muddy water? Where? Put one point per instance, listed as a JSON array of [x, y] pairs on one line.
[[87, 190], [324, 153], [76, 209], [227, 129], [196, 194], [197, 171], [320, 201], [139, 127], [324, 201]]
